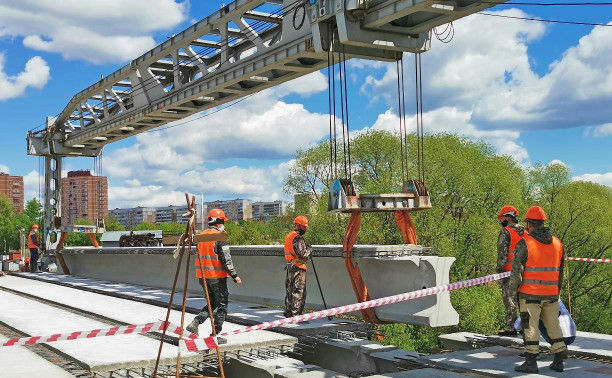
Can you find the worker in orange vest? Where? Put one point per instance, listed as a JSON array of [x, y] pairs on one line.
[[217, 266], [296, 255], [537, 274], [33, 245], [510, 234]]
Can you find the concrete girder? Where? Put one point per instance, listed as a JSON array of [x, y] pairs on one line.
[[384, 275]]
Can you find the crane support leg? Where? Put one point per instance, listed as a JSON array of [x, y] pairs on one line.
[[53, 198]]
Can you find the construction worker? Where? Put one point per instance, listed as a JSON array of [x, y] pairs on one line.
[[510, 234], [217, 266], [296, 254], [33, 245], [537, 274]]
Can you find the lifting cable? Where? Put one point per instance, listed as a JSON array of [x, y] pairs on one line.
[[420, 130], [344, 111]]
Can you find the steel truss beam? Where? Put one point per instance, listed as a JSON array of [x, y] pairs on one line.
[[244, 47]]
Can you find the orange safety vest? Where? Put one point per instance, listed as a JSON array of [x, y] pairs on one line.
[[514, 238], [290, 254], [541, 275], [209, 260], [30, 242]]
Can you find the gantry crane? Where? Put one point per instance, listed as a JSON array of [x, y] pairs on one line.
[[244, 47]]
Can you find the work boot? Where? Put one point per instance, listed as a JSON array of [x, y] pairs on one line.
[[529, 366], [557, 364], [507, 332], [193, 326]]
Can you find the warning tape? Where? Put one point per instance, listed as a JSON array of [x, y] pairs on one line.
[[199, 344], [586, 259], [114, 331]]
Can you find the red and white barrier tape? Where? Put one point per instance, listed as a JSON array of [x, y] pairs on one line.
[[199, 344], [114, 331], [586, 259]]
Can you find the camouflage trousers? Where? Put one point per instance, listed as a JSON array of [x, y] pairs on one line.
[[532, 311], [509, 303], [295, 286], [219, 299]]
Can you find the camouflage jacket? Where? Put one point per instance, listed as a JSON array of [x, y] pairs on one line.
[[542, 235], [503, 243]]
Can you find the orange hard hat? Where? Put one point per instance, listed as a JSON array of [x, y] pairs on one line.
[[507, 210], [215, 214], [535, 213], [34, 226], [301, 220]]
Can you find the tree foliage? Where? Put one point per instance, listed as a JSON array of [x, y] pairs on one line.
[[468, 184]]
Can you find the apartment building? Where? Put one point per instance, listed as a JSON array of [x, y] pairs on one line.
[[12, 187], [84, 196]]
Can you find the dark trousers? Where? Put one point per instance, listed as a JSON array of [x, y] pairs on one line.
[[219, 298], [33, 260], [295, 287]]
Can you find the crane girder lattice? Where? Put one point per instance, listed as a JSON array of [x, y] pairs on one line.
[[244, 47]]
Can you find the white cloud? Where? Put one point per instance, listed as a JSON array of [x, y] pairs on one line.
[[491, 75], [452, 120], [77, 30], [599, 178], [177, 160], [601, 130], [4, 169], [31, 185], [254, 183], [259, 128], [304, 86], [35, 75]]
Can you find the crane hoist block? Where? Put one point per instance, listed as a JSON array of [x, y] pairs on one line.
[[344, 199]]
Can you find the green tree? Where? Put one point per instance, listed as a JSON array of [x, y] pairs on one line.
[[33, 210], [112, 224]]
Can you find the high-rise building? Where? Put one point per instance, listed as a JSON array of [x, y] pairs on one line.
[[12, 187], [130, 218], [235, 210], [84, 196], [263, 211]]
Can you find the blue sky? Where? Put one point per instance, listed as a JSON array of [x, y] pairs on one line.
[[537, 91]]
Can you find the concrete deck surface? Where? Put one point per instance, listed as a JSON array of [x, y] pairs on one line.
[[239, 312], [587, 344], [500, 361], [19, 362], [130, 312], [103, 353]]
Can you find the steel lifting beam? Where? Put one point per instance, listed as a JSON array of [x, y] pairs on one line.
[[244, 47]]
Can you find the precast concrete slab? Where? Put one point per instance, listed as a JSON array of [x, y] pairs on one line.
[[255, 367], [404, 268], [131, 312], [346, 356], [420, 373], [97, 354], [587, 344], [239, 312], [19, 362], [498, 361]]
